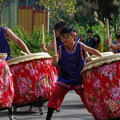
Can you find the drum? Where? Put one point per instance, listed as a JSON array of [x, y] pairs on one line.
[[101, 79], [94, 57], [6, 85], [33, 77]]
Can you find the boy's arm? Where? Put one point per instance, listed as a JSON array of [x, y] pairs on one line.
[[55, 58], [16, 39], [91, 50]]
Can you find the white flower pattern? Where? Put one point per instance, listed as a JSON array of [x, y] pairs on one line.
[[33, 79]]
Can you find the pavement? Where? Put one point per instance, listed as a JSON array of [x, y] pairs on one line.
[[72, 109]]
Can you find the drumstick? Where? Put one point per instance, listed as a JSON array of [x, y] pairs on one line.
[[107, 30], [111, 36], [43, 34], [23, 53], [55, 46]]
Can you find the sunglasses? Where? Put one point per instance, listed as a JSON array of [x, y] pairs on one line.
[[65, 36]]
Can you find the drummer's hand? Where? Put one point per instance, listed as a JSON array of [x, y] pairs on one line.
[[43, 47], [108, 41], [55, 59]]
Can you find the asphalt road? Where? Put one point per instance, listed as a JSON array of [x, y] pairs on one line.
[[72, 109]]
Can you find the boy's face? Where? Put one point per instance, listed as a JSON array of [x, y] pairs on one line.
[[67, 38]]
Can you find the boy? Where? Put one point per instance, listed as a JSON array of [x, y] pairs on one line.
[[70, 61]]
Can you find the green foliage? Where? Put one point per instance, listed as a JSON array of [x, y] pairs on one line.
[[67, 6], [33, 41]]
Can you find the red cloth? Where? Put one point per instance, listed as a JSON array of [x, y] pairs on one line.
[[6, 85], [59, 93], [33, 79], [102, 90]]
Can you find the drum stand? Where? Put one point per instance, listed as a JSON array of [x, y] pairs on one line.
[[118, 118], [11, 116], [38, 104]]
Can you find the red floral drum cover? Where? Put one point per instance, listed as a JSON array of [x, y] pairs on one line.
[[102, 88], [33, 79], [6, 85]]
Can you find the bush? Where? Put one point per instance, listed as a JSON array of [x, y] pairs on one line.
[[32, 41]]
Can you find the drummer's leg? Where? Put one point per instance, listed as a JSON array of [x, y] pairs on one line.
[[81, 92], [55, 100]]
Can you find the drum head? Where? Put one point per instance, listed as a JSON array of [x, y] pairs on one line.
[[100, 61], [28, 57], [94, 57]]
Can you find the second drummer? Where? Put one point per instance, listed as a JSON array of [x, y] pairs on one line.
[[70, 61], [6, 33]]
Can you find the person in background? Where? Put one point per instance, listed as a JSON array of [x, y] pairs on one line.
[[90, 41], [82, 38], [70, 61], [98, 43], [58, 26], [116, 41], [6, 33]]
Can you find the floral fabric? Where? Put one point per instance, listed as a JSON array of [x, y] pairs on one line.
[[33, 79], [6, 85], [102, 91]]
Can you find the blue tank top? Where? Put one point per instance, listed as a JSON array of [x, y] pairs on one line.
[[4, 46], [70, 64]]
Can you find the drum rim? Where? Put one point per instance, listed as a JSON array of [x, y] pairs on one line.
[[28, 57], [100, 61], [3, 55]]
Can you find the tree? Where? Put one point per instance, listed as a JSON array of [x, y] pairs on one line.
[[92, 12], [66, 7], [84, 12], [2, 6]]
